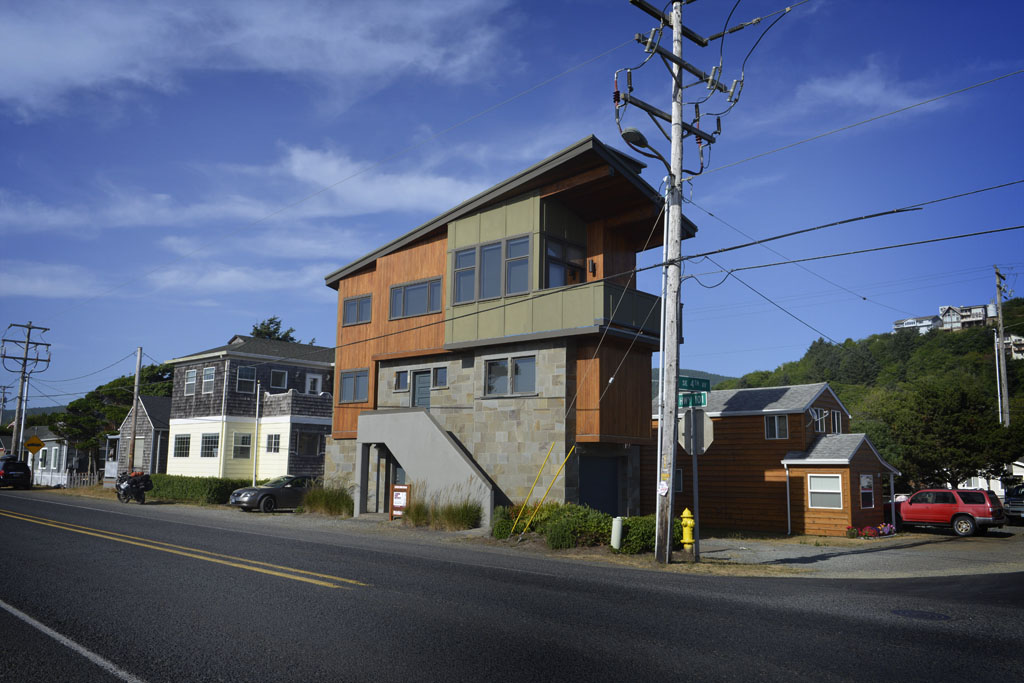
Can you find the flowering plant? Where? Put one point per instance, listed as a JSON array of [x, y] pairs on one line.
[[869, 532], [852, 532], [886, 529]]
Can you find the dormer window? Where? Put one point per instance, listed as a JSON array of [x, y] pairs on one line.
[[776, 427]]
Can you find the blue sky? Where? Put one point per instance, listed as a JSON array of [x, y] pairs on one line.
[[164, 166]]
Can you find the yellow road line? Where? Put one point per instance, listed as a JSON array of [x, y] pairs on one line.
[[195, 553]]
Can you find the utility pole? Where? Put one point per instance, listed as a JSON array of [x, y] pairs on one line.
[[135, 410], [1004, 395], [28, 366]]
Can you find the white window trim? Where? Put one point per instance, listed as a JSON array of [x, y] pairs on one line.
[[239, 380], [818, 416], [235, 445], [276, 438], [187, 439], [212, 382], [283, 385], [863, 491], [838, 477], [216, 446], [195, 375], [837, 422], [319, 382]]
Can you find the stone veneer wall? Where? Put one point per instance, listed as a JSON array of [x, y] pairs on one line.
[[507, 436]]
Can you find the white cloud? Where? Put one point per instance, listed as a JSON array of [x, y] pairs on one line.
[[209, 279], [51, 49], [47, 280]]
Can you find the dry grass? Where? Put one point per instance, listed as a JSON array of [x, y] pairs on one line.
[[97, 491]]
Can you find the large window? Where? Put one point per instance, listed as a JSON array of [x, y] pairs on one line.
[[278, 379], [209, 374], [190, 382], [273, 443], [825, 491], [356, 310], [509, 376], [489, 271], [416, 298], [208, 446], [242, 445], [564, 263], [246, 382], [354, 386], [776, 427], [182, 444]]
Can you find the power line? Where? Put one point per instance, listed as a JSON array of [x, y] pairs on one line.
[[861, 123], [72, 379]]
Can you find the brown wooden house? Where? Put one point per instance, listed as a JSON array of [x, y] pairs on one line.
[[781, 459]]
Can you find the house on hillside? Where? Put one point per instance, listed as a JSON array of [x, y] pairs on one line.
[[963, 317], [473, 345], [151, 437], [923, 324], [781, 459], [251, 407]]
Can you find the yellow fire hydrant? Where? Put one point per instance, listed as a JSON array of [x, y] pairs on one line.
[[687, 517]]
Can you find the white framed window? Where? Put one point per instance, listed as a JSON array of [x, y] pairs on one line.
[[510, 376], [357, 310], [439, 377], [825, 491], [42, 458], [354, 386], [402, 380], [278, 379], [837, 422], [314, 383], [245, 382], [819, 416], [776, 426], [867, 491], [190, 382], [209, 374], [208, 445], [273, 443], [242, 446], [182, 444]]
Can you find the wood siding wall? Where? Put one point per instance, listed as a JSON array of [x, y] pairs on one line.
[[624, 414], [362, 346]]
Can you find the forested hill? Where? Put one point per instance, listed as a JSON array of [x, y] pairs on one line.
[[928, 402]]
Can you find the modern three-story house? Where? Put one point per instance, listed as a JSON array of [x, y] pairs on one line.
[[500, 336], [251, 408]]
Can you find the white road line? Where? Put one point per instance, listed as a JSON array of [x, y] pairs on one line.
[[96, 659]]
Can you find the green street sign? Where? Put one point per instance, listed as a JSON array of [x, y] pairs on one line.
[[695, 400], [693, 384]]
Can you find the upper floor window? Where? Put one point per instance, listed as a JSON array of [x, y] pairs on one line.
[[313, 384], [354, 386], [190, 382], [505, 376], [356, 310], [776, 427], [416, 298], [278, 379], [246, 382], [564, 263], [837, 422], [489, 271], [819, 415], [208, 376]]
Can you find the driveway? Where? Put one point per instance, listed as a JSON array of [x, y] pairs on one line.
[[923, 552]]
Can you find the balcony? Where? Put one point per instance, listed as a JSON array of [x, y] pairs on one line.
[[293, 403], [556, 310]]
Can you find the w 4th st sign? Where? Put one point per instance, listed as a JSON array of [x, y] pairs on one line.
[[694, 400]]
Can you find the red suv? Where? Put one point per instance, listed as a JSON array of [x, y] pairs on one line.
[[966, 511]]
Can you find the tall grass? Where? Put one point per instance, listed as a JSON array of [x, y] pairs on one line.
[[450, 510], [329, 500]]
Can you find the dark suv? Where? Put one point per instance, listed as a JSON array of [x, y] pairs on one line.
[[966, 511], [1014, 505], [14, 473]]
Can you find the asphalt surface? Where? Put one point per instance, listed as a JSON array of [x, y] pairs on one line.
[[173, 593]]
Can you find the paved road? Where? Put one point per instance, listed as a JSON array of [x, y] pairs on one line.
[[172, 593]]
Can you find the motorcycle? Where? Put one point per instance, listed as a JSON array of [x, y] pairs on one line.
[[133, 487]]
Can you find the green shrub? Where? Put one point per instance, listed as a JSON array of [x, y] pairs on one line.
[[214, 490], [502, 529], [570, 525], [464, 514], [560, 533], [331, 500], [417, 513], [500, 513], [638, 534]]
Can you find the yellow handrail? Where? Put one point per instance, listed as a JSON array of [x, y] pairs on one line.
[[527, 501], [553, 479]]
